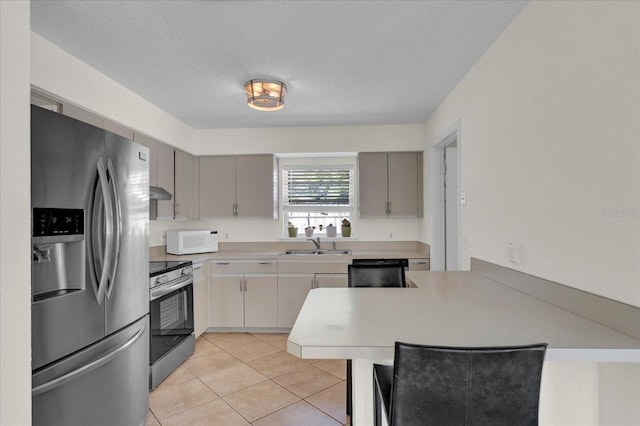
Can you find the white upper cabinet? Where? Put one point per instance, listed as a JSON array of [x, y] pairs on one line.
[[390, 184], [238, 186], [176, 172], [186, 182], [166, 180], [152, 144]]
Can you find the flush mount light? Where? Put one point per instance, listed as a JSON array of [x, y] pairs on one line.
[[265, 95]]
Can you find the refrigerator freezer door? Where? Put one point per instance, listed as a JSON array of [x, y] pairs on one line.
[[105, 384], [128, 288], [64, 154]]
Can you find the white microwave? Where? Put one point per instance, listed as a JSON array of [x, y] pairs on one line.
[[192, 241]]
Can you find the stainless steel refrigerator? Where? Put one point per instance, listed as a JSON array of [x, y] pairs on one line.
[[90, 292]]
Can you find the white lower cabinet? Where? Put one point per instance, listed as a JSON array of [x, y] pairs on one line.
[[243, 294], [227, 301], [260, 301], [331, 281], [292, 291], [200, 297]]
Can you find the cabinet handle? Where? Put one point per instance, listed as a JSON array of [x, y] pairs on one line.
[[222, 263], [245, 284], [419, 263], [265, 263], [237, 210], [240, 286]]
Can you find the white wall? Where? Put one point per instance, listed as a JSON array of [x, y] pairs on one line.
[[550, 129], [15, 214], [60, 74], [310, 139], [56, 72], [550, 154], [305, 141]]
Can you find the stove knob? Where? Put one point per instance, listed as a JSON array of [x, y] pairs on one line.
[[159, 280]]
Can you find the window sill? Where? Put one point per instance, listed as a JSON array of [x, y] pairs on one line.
[[322, 237]]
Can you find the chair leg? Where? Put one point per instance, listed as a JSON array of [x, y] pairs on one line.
[[349, 388], [377, 403]]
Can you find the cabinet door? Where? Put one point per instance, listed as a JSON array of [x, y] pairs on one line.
[[332, 281], [217, 186], [292, 292], [152, 144], [403, 184], [419, 264], [185, 184], [255, 188], [372, 184], [200, 297], [227, 301], [261, 300], [166, 180]]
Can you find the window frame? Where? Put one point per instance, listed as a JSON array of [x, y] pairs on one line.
[[344, 161]]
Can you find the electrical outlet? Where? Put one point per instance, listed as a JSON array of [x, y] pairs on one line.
[[463, 198], [164, 237], [226, 235]]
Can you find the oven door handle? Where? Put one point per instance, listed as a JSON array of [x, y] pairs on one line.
[[162, 291]]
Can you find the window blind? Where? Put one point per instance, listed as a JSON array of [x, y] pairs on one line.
[[318, 187]]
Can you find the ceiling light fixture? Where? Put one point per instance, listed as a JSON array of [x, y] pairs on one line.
[[265, 95]]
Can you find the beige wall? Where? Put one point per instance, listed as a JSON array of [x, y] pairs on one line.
[[550, 146], [15, 225], [310, 139], [56, 72], [550, 130]]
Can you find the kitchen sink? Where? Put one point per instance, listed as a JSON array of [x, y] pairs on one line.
[[301, 251]]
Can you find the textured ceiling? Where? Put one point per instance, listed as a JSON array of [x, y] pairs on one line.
[[344, 62]]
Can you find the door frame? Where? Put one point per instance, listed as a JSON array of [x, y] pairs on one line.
[[436, 159]]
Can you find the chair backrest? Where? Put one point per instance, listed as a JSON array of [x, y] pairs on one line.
[[466, 386], [376, 276]]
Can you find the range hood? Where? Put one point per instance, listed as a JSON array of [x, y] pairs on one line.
[[158, 193]]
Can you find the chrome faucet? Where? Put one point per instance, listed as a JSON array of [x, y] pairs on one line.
[[317, 243]]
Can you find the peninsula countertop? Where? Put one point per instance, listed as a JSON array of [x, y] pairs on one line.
[[448, 309]]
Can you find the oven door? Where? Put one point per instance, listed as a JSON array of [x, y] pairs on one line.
[[171, 321]]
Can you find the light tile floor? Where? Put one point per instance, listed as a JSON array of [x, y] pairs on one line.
[[250, 379]]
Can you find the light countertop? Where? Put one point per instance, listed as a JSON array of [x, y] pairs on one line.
[[262, 254], [449, 309]]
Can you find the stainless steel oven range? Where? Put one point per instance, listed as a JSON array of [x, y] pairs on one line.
[[171, 317]]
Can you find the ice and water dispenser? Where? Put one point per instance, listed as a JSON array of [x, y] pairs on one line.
[[58, 252]]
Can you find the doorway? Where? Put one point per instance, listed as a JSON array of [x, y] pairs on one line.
[[445, 201]]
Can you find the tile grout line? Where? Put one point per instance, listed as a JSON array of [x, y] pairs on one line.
[[270, 343]]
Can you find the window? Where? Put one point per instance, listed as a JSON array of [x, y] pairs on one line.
[[315, 196]]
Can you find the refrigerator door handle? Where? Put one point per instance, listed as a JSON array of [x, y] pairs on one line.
[[108, 231], [117, 227], [59, 381]]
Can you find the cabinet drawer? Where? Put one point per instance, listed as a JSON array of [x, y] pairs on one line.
[[198, 272], [252, 266], [302, 267], [419, 264]]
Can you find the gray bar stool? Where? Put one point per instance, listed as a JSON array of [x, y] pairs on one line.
[[372, 274], [431, 385]]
